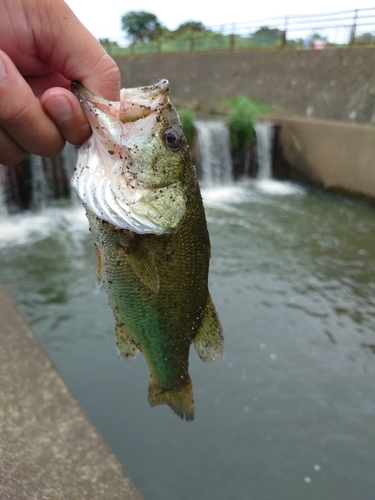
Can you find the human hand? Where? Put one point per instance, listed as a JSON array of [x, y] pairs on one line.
[[43, 46]]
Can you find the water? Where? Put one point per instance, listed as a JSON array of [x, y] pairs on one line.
[[288, 413], [214, 163]]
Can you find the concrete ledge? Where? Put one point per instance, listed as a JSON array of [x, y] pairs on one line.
[[49, 449], [334, 155]]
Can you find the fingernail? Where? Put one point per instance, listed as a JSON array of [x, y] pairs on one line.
[[60, 107]]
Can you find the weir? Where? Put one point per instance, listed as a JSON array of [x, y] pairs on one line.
[[213, 158], [37, 182]]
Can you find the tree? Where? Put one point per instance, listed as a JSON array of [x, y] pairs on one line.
[[190, 27], [365, 39], [266, 36], [141, 26]]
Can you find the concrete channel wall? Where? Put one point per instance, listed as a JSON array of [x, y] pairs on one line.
[[49, 449], [331, 84], [334, 155]]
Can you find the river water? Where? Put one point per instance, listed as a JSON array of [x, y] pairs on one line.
[[288, 412]]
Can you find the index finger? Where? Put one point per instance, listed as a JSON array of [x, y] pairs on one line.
[[73, 51]]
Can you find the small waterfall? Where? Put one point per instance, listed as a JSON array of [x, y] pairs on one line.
[[263, 132], [37, 182], [40, 190], [3, 207], [214, 162]]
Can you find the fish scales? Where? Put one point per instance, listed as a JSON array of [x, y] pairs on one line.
[[155, 268]]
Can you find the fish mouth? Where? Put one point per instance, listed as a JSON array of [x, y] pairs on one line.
[[135, 103]]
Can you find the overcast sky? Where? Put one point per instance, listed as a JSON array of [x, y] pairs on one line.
[[103, 18]]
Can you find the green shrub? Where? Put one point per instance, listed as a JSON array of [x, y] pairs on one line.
[[242, 117], [187, 118]]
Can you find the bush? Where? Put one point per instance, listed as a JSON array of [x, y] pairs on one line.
[[187, 118], [242, 117]]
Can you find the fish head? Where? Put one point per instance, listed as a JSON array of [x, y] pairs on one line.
[[131, 171]]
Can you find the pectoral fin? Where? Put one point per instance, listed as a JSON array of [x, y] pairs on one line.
[[125, 345], [209, 340], [99, 277], [143, 265]]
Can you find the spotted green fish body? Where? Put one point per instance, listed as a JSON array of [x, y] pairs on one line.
[[137, 181]]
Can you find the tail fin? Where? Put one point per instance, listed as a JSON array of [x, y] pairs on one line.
[[180, 400]]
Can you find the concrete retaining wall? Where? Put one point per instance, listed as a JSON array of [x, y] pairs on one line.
[[330, 154], [335, 84], [49, 449]]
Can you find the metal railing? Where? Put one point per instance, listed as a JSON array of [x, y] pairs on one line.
[[334, 29]]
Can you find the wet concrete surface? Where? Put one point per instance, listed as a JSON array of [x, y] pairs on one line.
[[49, 449]]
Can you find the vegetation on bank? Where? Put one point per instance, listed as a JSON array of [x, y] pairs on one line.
[[241, 116], [146, 34], [187, 116], [200, 42]]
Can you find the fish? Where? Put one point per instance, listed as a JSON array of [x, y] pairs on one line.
[[137, 181]]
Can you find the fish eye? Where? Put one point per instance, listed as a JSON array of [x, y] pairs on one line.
[[172, 138]]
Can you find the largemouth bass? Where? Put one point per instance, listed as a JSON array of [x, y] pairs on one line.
[[138, 183]]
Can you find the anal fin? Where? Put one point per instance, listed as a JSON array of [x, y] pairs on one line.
[[125, 345], [209, 340]]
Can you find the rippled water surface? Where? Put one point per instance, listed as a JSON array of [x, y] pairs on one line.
[[289, 411]]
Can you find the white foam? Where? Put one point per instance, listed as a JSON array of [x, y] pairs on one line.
[[280, 188], [236, 193], [27, 227], [220, 197]]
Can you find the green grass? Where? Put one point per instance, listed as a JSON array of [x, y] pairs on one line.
[[199, 43]]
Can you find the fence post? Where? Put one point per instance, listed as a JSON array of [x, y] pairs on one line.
[[283, 39], [354, 27], [191, 43], [232, 42], [283, 34]]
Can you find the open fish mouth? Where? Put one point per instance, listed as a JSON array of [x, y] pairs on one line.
[[116, 175], [134, 103]]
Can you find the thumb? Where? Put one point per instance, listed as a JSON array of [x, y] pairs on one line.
[[24, 124]]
